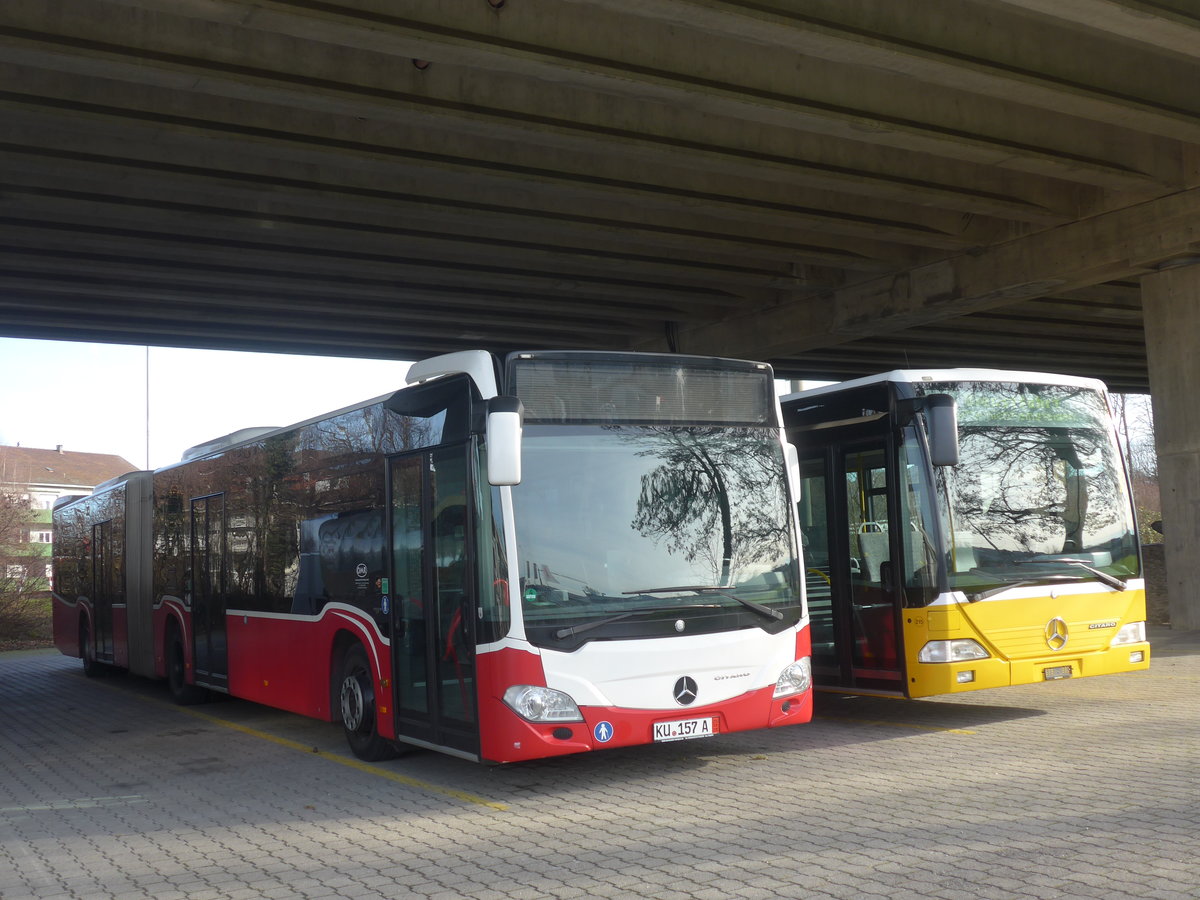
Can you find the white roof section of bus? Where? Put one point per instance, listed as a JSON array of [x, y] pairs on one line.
[[215, 446], [916, 376], [478, 365], [241, 436]]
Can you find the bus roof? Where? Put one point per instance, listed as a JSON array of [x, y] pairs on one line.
[[916, 376], [245, 436]]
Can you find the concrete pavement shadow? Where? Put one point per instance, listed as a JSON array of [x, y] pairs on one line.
[[1166, 641]]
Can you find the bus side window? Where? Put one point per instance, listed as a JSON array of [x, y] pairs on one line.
[[494, 611], [917, 518]]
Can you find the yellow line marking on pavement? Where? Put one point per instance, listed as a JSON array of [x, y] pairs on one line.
[[351, 763], [895, 724], [340, 760]]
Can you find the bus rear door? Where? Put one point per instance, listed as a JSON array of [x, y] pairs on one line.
[[104, 589], [208, 591]]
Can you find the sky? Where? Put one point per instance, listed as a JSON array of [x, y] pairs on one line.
[[91, 398]]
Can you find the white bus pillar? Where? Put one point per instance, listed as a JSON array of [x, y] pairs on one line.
[[1171, 309]]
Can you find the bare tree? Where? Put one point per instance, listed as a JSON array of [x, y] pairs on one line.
[[1135, 427], [23, 583]]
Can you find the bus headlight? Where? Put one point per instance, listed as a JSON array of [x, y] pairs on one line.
[[541, 704], [951, 651], [795, 679], [1133, 633]]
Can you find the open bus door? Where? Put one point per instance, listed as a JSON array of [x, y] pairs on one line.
[[854, 596], [433, 606]]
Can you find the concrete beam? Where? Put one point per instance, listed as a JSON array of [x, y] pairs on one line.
[[346, 154], [990, 64], [403, 199], [598, 53], [1155, 24], [428, 121], [1128, 242], [282, 218], [342, 269]]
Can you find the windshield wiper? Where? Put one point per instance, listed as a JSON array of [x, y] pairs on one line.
[[572, 630], [722, 590], [1111, 580], [1009, 583]]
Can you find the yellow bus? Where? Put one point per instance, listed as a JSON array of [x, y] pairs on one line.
[[965, 529]]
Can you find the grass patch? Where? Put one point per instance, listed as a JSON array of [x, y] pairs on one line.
[[26, 621]]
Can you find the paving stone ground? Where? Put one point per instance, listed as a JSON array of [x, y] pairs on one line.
[[1073, 789]]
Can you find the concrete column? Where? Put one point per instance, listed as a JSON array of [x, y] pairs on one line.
[[1171, 306]]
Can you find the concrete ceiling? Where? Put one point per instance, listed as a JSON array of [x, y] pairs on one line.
[[836, 186]]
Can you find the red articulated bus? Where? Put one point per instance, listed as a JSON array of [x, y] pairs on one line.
[[508, 559]]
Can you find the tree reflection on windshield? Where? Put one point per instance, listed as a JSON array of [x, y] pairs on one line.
[[714, 498], [1038, 477], [605, 510]]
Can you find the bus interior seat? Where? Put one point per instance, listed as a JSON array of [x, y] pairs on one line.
[[874, 548], [964, 554]]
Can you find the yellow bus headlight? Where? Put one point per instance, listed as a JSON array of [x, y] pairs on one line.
[[1133, 633], [951, 651]]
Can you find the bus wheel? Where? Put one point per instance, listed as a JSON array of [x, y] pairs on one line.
[[92, 668], [357, 697], [181, 692]]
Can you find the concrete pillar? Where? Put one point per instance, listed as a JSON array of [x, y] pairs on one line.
[[1171, 307]]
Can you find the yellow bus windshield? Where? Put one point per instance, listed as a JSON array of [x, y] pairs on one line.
[[1039, 492]]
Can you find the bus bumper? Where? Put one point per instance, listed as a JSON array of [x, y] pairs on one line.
[[931, 679]]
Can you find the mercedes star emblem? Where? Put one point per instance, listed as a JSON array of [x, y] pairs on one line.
[[685, 691], [1056, 634]]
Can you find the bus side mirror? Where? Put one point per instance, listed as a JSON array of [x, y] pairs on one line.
[[941, 419], [791, 458], [504, 440]]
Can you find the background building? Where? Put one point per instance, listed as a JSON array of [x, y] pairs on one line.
[[31, 480]]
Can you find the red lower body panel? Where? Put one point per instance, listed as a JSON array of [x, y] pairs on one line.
[[506, 737]]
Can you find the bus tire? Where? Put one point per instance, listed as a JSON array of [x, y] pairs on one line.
[[356, 697], [92, 667], [182, 693]]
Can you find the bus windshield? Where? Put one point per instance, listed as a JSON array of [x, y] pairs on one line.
[[630, 530], [1039, 494]]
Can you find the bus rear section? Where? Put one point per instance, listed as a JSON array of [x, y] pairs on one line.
[[100, 600], [505, 560], [1017, 563]]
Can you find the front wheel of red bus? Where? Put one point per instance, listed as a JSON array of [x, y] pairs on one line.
[[357, 697]]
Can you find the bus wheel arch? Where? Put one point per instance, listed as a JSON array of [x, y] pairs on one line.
[[92, 667], [354, 702], [182, 692], [342, 641]]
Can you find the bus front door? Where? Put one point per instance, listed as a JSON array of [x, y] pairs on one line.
[[208, 591], [433, 603], [845, 516], [871, 593]]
